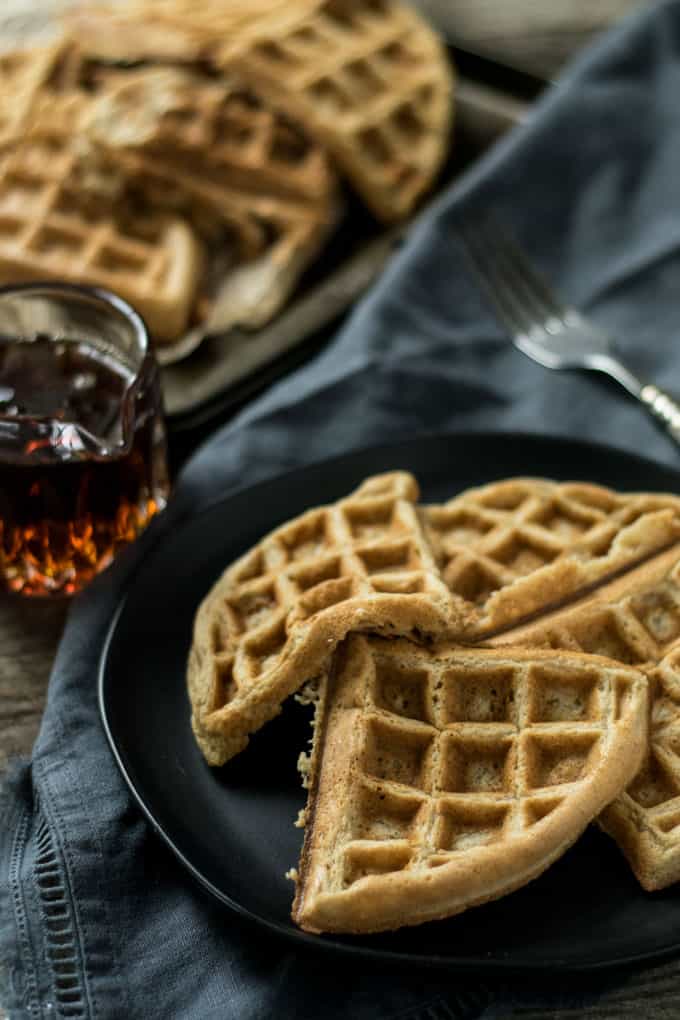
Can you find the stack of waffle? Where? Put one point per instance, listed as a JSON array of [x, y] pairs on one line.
[[489, 676], [189, 158]]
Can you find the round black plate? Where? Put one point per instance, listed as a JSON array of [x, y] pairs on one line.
[[233, 827]]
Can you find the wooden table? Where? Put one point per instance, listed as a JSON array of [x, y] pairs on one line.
[[535, 36]]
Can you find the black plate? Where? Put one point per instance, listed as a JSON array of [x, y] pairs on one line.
[[232, 827]]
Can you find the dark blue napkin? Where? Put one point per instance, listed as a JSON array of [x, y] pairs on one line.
[[97, 920]]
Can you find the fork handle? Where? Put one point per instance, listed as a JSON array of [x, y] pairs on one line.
[[660, 404], [663, 407]]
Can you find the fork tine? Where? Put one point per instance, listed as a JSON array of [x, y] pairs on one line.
[[520, 272], [481, 258]]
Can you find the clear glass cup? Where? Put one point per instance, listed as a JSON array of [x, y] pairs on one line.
[[83, 463]]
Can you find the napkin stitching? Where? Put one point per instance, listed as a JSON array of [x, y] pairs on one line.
[[30, 979], [66, 738], [61, 943]]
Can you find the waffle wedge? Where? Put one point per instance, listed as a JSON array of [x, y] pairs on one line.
[[534, 543], [369, 80], [517, 547], [442, 779], [635, 620], [23, 76], [216, 153], [273, 619], [211, 127], [47, 233]]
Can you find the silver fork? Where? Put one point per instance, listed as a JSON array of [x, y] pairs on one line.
[[553, 334]]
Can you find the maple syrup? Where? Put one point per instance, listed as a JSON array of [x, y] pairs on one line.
[[82, 460]]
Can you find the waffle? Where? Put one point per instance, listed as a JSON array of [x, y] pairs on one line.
[[273, 619], [217, 154], [367, 78], [215, 128], [515, 547], [23, 75], [443, 779], [46, 233], [645, 820], [635, 620], [179, 31], [584, 533]]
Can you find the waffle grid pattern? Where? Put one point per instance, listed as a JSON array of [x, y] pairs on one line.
[[640, 628], [45, 232], [456, 757], [490, 538], [637, 629], [272, 217], [338, 67], [368, 544], [655, 791], [233, 137], [23, 74]]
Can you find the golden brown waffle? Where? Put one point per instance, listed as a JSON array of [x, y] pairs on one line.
[[176, 31], [635, 620], [645, 820], [441, 779], [521, 545], [46, 234], [218, 155], [212, 128], [273, 619], [545, 542], [367, 78], [192, 161], [23, 75]]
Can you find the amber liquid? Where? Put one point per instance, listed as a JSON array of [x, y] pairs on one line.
[[67, 507]]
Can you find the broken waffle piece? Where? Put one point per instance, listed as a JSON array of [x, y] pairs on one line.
[[273, 619], [444, 778], [635, 620], [369, 79], [211, 126], [48, 233], [520, 546], [214, 152], [377, 562]]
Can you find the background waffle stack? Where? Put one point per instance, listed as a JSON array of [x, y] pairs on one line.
[[173, 112], [214, 152], [371, 82], [367, 79], [47, 232]]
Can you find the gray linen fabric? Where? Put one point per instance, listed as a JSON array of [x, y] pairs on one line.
[[97, 919]]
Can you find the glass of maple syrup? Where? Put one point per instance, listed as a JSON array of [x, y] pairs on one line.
[[82, 441]]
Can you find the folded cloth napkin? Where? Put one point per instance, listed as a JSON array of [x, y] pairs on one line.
[[97, 919]]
